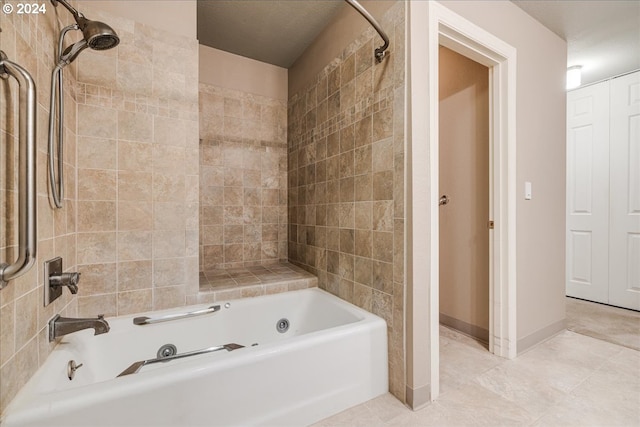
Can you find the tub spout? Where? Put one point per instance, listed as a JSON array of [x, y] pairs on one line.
[[60, 326]]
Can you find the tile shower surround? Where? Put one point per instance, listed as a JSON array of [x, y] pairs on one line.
[[29, 40], [346, 181], [243, 179], [137, 201], [130, 222], [143, 173]]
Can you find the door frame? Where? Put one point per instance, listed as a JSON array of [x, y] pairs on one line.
[[431, 24]]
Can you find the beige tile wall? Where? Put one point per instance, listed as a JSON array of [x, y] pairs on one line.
[[29, 40], [137, 202], [346, 181], [130, 221], [243, 179]]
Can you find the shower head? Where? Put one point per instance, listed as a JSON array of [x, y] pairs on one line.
[[96, 35], [99, 36]]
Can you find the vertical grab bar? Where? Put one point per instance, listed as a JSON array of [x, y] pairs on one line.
[[27, 240]]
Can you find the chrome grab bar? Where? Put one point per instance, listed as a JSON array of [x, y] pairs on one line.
[[380, 51], [27, 240], [144, 320], [136, 366]]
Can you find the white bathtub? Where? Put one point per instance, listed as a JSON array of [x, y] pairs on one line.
[[333, 356]]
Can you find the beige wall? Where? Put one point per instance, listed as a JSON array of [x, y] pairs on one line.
[[464, 178], [346, 176], [540, 158], [226, 70], [541, 117]]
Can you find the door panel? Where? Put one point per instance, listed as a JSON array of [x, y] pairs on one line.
[[624, 276], [580, 250], [588, 193]]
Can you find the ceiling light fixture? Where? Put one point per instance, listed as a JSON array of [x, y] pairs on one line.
[[574, 77]]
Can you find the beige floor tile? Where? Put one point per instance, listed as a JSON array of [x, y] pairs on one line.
[[516, 383], [461, 362], [358, 416], [447, 335], [615, 385], [578, 348], [612, 324], [386, 407], [569, 380], [430, 416], [473, 405], [629, 358], [567, 359], [408, 419], [581, 412]]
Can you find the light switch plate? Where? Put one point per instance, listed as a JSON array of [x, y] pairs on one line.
[[527, 190]]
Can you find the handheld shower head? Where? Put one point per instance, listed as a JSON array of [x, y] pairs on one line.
[[71, 53], [96, 35], [99, 36]]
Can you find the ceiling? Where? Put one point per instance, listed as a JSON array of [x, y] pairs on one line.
[[602, 36], [276, 32]]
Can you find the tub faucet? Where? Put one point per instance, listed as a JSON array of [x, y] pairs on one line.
[[69, 280], [60, 326]]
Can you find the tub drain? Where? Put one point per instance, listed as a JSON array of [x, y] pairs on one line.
[[166, 350], [282, 325]]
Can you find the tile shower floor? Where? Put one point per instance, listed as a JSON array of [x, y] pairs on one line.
[[569, 380]]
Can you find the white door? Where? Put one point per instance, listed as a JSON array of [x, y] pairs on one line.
[[624, 273], [588, 193]]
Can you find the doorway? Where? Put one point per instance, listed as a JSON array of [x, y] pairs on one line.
[[431, 24], [464, 188]]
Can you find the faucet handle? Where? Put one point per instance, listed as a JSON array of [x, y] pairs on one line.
[[101, 316], [69, 280]]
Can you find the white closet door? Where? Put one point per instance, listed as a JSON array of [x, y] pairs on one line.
[[588, 193], [624, 274]]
